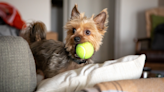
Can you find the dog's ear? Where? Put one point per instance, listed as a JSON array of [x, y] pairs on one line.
[[101, 19], [75, 12]]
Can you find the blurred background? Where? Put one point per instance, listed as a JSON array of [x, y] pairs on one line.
[[126, 20]]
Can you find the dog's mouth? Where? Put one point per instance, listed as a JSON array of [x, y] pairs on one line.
[[78, 60], [75, 54]]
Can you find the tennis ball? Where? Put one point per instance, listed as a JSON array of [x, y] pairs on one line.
[[84, 50]]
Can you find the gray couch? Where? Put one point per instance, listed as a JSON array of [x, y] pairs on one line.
[[17, 66]]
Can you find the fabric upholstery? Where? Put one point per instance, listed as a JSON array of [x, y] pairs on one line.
[[17, 67], [7, 30], [137, 85]]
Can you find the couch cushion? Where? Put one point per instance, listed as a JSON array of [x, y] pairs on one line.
[[128, 67], [17, 67]]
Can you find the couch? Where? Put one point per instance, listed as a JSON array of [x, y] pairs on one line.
[[135, 85], [17, 67], [18, 73]]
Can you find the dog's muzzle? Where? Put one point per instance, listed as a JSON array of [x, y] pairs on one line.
[[77, 39]]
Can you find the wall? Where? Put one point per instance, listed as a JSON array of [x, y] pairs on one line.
[[33, 10], [90, 7], [130, 24]]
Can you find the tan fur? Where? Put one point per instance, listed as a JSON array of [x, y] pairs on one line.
[[82, 23], [53, 57]]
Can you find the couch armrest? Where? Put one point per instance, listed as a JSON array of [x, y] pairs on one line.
[[139, 41], [131, 85], [17, 66], [134, 85]]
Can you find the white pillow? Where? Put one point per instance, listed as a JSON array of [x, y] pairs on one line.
[[128, 67]]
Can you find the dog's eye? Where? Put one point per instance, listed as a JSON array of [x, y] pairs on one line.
[[87, 32], [74, 30]]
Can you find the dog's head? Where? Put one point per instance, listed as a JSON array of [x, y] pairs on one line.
[[81, 29]]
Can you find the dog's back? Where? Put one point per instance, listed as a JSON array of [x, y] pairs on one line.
[[50, 56], [46, 52]]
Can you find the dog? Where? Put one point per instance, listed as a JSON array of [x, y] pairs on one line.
[[54, 57]]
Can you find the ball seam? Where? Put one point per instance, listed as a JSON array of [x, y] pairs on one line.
[[84, 51]]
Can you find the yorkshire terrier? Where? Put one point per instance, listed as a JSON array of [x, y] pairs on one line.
[[53, 57]]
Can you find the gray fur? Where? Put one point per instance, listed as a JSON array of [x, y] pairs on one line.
[[52, 58]]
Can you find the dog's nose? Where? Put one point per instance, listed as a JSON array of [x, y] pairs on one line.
[[77, 39]]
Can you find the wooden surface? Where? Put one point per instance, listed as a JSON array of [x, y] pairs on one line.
[[155, 66], [52, 35]]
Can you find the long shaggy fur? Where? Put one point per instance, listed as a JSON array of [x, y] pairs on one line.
[[35, 31], [53, 57]]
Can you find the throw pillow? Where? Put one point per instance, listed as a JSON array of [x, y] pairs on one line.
[[128, 67]]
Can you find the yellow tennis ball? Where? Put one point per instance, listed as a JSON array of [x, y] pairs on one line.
[[84, 50]]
